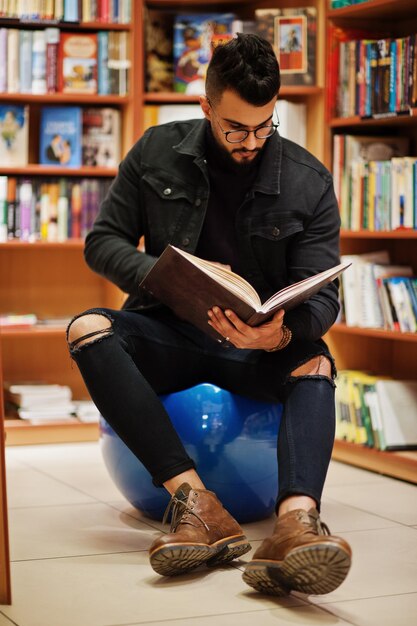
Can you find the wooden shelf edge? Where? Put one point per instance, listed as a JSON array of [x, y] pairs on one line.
[[377, 120], [379, 234], [38, 331], [70, 243], [377, 333], [40, 23], [34, 169], [394, 464], [374, 8], [65, 98], [182, 98], [21, 433]]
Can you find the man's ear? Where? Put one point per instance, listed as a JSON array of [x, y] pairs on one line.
[[205, 106]]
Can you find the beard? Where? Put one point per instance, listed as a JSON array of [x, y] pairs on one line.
[[226, 159]]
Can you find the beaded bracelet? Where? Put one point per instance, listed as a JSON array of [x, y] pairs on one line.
[[285, 339]]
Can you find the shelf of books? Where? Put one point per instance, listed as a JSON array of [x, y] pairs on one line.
[[372, 137], [178, 41], [68, 114]]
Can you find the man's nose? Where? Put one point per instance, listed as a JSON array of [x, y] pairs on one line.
[[250, 143]]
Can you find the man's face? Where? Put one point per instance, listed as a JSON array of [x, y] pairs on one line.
[[233, 113]]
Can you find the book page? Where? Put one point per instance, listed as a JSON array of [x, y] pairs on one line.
[[233, 282], [305, 288]]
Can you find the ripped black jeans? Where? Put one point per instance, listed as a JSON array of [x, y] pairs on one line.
[[150, 353]]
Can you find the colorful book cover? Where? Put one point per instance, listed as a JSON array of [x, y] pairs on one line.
[[159, 50], [295, 41], [60, 136], [292, 33], [14, 134], [101, 137], [193, 44], [78, 63]]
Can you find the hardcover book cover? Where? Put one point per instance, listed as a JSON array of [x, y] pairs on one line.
[[101, 137], [60, 136], [194, 37], [14, 134], [78, 63]]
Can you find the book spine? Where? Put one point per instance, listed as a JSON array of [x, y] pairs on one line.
[[39, 62], [3, 209], [25, 198], [3, 60], [103, 63], [393, 76], [44, 212], [76, 209], [25, 61], [11, 207], [71, 11], [52, 46], [62, 211], [13, 60], [59, 10]]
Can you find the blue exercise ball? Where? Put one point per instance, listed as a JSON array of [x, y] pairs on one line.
[[233, 441]]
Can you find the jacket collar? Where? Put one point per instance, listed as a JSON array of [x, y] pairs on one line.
[[269, 178]]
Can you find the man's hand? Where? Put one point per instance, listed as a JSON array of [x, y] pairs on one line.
[[231, 327]]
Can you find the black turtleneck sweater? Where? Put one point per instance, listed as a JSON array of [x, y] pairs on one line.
[[229, 185]]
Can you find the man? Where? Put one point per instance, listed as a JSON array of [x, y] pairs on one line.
[[229, 189]]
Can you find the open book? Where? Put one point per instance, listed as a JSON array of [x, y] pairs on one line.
[[191, 286]]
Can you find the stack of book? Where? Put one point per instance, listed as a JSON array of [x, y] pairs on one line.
[[377, 294], [179, 47], [376, 412], [375, 77], [70, 136], [49, 209], [71, 11], [50, 61], [375, 182], [39, 402]]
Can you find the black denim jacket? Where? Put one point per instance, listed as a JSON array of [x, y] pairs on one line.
[[287, 228]]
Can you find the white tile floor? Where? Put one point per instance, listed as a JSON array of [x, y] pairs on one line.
[[79, 554]]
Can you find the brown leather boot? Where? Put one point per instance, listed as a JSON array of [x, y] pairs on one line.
[[301, 555], [202, 531]]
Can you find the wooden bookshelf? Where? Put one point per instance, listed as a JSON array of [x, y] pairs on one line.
[[382, 352], [51, 279], [313, 96]]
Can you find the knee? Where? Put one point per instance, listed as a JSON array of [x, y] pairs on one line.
[[317, 366], [87, 328]]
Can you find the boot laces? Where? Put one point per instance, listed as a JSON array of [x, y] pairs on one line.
[[321, 527], [179, 509]]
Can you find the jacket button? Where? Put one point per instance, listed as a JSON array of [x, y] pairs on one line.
[[186, 241], [275, 231], [198, 202], [167, 191]]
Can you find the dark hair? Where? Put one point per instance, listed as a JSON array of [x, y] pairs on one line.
[[247, 65]]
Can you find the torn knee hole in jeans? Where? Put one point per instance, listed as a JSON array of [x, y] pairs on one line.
[[296, 379], [104, 332], [314, 369]]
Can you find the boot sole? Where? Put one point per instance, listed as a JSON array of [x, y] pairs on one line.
[[181, 558], [313, 570]]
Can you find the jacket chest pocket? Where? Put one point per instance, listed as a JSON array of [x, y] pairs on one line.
[[277, 230], [271, 241], [167, 203]]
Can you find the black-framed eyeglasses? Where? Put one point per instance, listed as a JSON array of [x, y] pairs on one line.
[[239, 135]]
